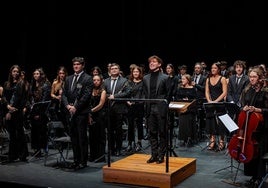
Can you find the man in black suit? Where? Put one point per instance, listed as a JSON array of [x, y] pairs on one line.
[[76, 98], [117, 86], [224, 70], [155, 86], [199, 81], [237, 83]]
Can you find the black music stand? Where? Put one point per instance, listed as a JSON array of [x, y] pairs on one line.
[[39, 108], [170, 138], [232, 109], [214, 110], [200, 118], [231, 126]]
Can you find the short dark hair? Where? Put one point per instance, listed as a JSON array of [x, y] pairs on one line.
[[159, 60], [183, 67], [79, 59]]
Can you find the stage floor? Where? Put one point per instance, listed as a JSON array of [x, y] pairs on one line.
[[213, 169]]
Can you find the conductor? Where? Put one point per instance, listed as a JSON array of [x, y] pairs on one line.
[[155, 87]]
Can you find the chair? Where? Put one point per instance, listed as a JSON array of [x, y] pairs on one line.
[[58, 139], [4, 140]]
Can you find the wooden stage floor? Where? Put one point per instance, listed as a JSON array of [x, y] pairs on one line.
[[134, 170]]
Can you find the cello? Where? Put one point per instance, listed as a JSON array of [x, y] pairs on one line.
[[242, 146]]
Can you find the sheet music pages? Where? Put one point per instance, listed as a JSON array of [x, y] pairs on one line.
[[176, 106], [228, 122]]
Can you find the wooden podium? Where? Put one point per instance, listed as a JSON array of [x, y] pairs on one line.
[[181, 106]]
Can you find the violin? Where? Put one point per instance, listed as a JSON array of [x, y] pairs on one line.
[[242, 146]]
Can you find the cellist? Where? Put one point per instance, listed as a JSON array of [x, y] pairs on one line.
[[254, 98]]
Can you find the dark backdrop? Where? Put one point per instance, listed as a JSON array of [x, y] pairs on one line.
[[181, 32]]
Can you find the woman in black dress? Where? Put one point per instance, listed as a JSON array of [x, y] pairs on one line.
[[40, 89], [215, 91], [97, 121], [16, 96]]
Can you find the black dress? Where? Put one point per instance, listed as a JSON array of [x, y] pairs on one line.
[[213, 126], [187, 120], [97, 135]]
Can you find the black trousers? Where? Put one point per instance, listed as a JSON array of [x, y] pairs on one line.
[[17, 139], [158, 136], [78, 134]]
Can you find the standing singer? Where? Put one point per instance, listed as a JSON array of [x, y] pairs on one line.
[[215, 91], [76, 98]]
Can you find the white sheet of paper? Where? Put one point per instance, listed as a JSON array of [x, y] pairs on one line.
[[176, 105], [228, 122]]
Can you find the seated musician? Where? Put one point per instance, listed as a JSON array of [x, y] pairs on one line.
[[187, 125], [254, 99]]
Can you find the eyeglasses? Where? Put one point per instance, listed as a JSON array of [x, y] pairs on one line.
[[77, 64]]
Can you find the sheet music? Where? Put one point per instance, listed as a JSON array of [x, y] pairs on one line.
[[228, 122], [174, 105]]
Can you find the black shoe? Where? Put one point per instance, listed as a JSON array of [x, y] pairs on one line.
[[73, 165], [250, 183], [80, 166], [160, 160], [152, 160]]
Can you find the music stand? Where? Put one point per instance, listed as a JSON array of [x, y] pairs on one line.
[[214, 110], [39, 108], [231, 108], [200, 118]]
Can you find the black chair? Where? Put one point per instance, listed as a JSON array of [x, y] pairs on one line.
[[59, 140], [4, 140]]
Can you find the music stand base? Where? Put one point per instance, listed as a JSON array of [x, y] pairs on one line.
[[225, 168], [263, 180], [230, 166], [231, 182]]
